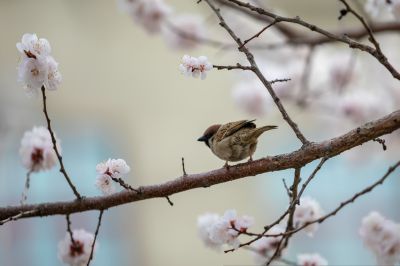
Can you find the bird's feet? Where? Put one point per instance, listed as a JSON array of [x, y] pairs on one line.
[[250, 159], [226, 165]]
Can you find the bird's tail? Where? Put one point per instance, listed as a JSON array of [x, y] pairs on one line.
[[260, 130]]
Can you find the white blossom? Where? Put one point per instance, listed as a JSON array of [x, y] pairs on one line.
[[32, 47], [185, 32], [308, 210], [311, 260], [204, 223], [382, 237], [53, 75], [77, 253], [112, 168], [266, 246], [36, 150], [150, 14], [195, 67], [216, 231], [32, 73], [37, 67], [105, 184], [376, 7]]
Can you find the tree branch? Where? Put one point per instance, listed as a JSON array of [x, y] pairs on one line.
[[344, 39], [302, 38], [296, 159], [341, 205]]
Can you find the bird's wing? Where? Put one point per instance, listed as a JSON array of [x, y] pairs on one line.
[[228, 129]]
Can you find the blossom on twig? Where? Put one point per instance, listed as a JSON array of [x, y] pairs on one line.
[[216, 230], [112, 168], [77, 252], [265, 247], [37, 67], [195, 67]]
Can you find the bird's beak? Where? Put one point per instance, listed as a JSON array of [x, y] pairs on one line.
[[202, 138]]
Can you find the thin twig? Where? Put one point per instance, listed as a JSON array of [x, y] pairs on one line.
[[311, 177], [276, 253], [294, 196], [18, 216], [71, 235], [382, 142], [183, 168], [288, 192], [95, 236], [285, 261], [53, 139], [26, 188], [279, 80], [169, 201], [237, 66], [365, 25], [259, 33], [125, 185]]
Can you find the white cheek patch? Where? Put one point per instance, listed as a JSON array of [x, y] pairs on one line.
[[210, 141]]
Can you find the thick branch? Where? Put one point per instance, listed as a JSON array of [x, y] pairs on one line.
[[296, 159]]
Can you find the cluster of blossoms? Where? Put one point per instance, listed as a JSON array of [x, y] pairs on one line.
[[382, 237], [109, 170], [308, 210], [155, 16], [216, 230], [195, 66], [150, 14], [37, 151], [37, 67], [377, 8], [265, 247], [311, 260], [77, 252]]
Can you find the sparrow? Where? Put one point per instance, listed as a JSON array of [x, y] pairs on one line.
[[233, 141]]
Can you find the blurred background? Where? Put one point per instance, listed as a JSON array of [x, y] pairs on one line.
[[122, 96]]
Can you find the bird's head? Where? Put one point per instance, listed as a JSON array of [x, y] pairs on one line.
[[209, 135]]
